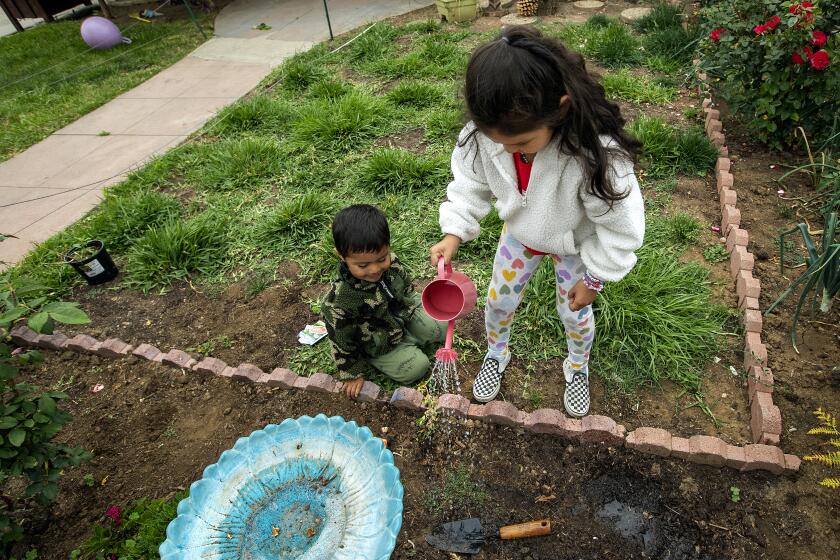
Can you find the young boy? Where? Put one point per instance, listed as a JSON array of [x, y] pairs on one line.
[[373, 315]]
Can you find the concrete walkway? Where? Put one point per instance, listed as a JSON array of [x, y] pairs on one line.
[[57, 181]]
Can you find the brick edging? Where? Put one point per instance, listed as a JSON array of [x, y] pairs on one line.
[[765, 417], [706, 450]]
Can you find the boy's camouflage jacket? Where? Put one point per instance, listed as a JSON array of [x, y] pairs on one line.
[[366, 320]]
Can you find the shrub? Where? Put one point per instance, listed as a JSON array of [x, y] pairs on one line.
[[758, 54], [29, 418]]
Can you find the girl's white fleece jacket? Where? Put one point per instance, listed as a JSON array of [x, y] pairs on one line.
[[556, 215]]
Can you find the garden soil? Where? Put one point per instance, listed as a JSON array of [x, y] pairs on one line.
[[153, 429]]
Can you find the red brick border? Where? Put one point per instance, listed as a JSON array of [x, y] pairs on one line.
[[766, 420], [593, 429]]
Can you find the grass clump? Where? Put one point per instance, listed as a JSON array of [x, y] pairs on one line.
[[443, 125], [236, 163], [668, 150], [254, 114], [624, 85], [673, 44], [678, 231], [376, 44], [396, 170], [662, 16], [298, 73], [338, 125], [299, 220], [176, 249], [415, 94], [614, 45], [120, 220], [329, 88]]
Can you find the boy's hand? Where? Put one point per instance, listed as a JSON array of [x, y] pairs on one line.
[[446, 248], [580, 296], [353, 387]]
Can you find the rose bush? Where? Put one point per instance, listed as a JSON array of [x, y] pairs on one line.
[[776, 63]]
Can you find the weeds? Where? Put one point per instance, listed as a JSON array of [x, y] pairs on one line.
[[415, 94], [715, 253], [662, 16], [120, 220], [459, 494], [262, 114], [209, 346], [828, 427]]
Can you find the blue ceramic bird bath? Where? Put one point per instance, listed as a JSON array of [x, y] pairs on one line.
[[311, 489]]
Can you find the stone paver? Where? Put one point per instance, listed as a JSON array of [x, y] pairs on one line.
[[57, 181], [632, 15]]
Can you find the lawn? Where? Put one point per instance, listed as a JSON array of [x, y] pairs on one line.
[[49, 77]]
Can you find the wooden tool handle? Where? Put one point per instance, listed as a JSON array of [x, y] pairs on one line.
[[538, 528]]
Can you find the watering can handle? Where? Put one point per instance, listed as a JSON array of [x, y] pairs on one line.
[[444, 270]]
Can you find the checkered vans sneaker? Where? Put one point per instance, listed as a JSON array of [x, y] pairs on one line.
[[576, 396], [489, 379]]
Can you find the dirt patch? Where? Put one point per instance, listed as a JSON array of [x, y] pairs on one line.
[[154, 429], [411, 140]]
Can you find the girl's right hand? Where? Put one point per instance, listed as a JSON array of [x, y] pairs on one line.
[[446, 248]]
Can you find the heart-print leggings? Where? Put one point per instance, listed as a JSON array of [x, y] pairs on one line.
[[513, 267]]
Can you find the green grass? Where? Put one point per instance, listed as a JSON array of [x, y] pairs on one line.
[[395, 170], [338, 125], [236, 163], [177, 249], [624, 85], [299, 220], [672, 44], [668, 150], [67, 81], [662, 16], [265, 181]]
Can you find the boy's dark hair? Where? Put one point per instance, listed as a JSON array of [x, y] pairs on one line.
[[514, 85], [360, 228]]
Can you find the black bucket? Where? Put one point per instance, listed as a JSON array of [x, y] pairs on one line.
[[97, 268]]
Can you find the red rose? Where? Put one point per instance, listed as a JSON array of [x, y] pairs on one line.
[[797, 58], [818, 38], [716, 33], [759, 29], [807, 5], [773, 22], [808, 52], [819, 61], [794, 8]]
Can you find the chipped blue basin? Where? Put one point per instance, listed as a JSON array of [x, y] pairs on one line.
[[312, 488]]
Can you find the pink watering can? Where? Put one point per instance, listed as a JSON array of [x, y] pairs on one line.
[[450, 296]]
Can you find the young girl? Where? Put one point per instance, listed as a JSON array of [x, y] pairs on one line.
[[544, 141]]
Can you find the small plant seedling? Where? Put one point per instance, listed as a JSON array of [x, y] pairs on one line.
[[715, 253], [209, 346], [734, 494], [89, 480]]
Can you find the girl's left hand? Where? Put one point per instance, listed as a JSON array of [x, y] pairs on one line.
[[580, 296]]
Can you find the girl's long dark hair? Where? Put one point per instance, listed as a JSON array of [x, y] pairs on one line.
[[514, 85]]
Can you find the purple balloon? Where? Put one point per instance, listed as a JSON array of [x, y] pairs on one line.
[[101, 33]]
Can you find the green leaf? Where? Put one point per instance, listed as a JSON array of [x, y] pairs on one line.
[[66, 312], [46, 405], [40, 418], [39, 322], [16, 437], [6, 453], [12, 314], [7, 422]]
